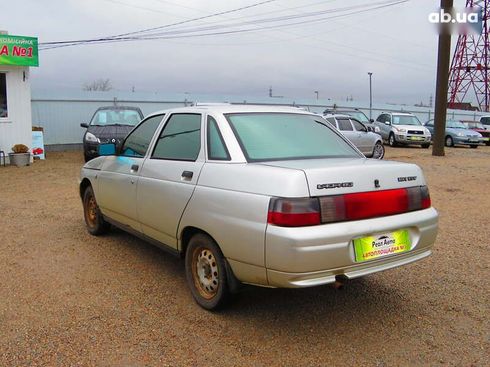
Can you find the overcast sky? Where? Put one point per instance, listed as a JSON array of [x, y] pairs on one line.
[[332, 56]]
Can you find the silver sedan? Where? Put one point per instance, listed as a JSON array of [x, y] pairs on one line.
[[269, 196], [369, 143]]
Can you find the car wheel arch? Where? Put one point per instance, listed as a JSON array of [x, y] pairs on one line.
[[84, 185], [185, 236]]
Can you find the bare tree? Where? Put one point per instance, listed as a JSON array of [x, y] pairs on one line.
[[102, 85]]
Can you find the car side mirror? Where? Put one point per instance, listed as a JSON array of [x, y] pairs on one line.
[[84, 124], [387, 122], [371, 120], [107, 149]]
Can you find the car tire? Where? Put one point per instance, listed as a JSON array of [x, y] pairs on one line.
[[392, 140], [86, 157], [449, 141], [205, 269], [425, 146], [473, 146], [96, 225], [378, 150]]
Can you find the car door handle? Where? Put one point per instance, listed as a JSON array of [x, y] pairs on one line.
[[135, 168], [187, 174]]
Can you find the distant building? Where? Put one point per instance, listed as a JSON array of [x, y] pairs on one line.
[[462, 106], [17, 54]]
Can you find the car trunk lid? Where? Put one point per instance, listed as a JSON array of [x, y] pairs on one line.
[[347, 175]]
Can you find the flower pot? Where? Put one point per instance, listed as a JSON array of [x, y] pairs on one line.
[[20, 159]]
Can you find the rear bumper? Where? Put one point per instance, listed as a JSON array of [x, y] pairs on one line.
[[301, 280], [307, 256], [466, 141]]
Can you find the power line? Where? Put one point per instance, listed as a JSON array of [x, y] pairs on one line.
[[183, 33], [165, 26]]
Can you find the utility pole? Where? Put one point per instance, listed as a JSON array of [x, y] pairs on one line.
[[370, 96], [444, 51], [316, 92]]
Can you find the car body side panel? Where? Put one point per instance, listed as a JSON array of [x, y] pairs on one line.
[[236, 220], [162, 196], [116, 195], [255, 178]]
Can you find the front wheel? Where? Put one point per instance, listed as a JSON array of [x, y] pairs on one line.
[[392, 140], [473, 146], [205, 271], [449, 141], [425, 146], [379, 150], [94, 220]]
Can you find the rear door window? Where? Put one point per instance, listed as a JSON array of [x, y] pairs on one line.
[[180, 139], [345, 125]]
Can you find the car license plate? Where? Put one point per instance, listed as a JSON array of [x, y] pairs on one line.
[[374, 247], [416, 138]]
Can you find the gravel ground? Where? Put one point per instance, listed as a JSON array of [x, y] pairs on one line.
[[70, 299]]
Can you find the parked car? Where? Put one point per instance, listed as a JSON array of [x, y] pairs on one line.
[[458, 134], [369, 143], [402, 128], [108, 125], [480, 129], [357, 114], [485, 121], [268, 196]]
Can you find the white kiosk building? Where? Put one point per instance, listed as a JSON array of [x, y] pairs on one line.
[[17, 54]]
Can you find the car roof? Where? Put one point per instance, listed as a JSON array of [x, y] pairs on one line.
[[402, 113], [118, 108], [342, 115], [233, 108]]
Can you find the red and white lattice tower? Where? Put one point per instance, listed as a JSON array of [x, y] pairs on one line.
[[470, 67]]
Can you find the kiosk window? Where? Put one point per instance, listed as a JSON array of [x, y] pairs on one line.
[[3, 95]]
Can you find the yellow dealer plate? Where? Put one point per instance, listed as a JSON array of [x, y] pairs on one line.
[[374, 247]]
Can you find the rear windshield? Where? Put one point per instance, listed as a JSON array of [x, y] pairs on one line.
[[286, 136], [116, 117]]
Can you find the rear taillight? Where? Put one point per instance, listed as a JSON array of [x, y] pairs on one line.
[[346, 207], [294, 212]]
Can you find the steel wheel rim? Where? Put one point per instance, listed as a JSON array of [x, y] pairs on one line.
[[378, 151], [205, 272], [392, 140], [91, 211], [449, 141]]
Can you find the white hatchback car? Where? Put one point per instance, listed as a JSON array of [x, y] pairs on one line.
[[269, 196]]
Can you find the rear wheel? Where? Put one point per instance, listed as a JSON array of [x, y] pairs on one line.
[[474, 146], [206, 272], [449, 141], [94, 220], [378, 150], [392, 140]]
